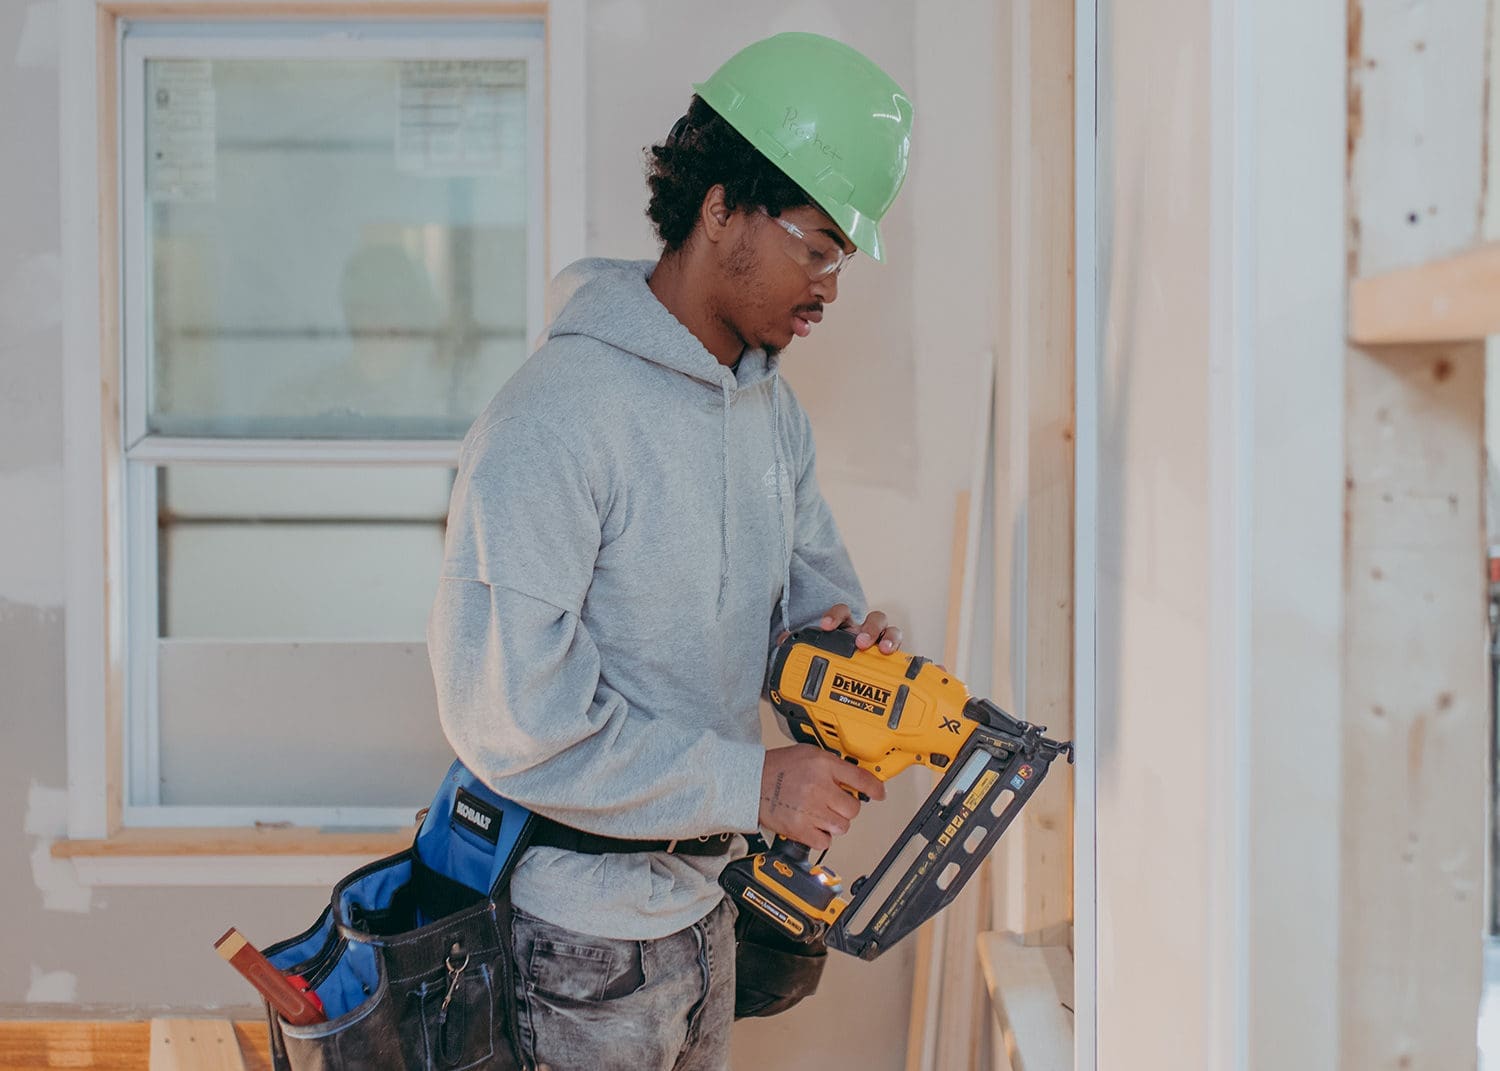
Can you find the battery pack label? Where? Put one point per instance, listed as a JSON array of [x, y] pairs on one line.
[[769, 908]]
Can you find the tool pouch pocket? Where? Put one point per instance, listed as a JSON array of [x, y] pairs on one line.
[[398, 990], [411, 960], [772, 971]]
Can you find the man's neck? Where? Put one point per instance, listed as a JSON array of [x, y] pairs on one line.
[[672, 283]]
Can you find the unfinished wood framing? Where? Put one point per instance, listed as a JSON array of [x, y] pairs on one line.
[[1031, 991], [1034, 457], [195, 1045], [1415, 703], [38, 1045], [931, 939], [1027, 886], [1451, 299]]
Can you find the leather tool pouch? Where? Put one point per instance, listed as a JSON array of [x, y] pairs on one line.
[[412, 958], [772, 971]]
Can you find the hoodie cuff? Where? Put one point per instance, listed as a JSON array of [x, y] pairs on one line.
[[739, 786]]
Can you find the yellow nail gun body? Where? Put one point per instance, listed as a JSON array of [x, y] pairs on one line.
[[886, 713]]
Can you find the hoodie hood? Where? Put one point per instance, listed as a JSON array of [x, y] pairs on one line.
[[610, 301]]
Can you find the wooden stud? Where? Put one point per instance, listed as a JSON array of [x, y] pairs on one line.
[[1047, 819], [194, 1045], [1045, 836], [927, 974], [961, 1005], [1446, 300], [1031, 990], [1033, 657], [1415, 703]]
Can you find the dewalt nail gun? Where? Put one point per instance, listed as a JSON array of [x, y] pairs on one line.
[[887, 712]]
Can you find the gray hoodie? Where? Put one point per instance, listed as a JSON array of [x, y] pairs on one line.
[[631, 525]]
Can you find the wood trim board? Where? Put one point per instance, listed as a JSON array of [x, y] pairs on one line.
[[1450, 299], [235, 841], [44, 1044]]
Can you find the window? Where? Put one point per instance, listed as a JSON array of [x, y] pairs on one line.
[[333, 246]]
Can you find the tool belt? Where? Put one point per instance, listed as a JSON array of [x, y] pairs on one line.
[[412, 956], [549, 834]]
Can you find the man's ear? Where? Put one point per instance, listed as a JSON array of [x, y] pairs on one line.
[[714, 215]]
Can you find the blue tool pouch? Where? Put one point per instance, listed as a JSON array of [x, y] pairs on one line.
[[412, 956]]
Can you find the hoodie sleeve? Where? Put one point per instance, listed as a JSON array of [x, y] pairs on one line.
[[518, 678], [821, 574]]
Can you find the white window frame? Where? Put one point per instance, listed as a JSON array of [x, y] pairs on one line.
[[144, 451], [103, 220]]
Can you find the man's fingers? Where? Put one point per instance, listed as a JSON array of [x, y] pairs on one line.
[[818, 840], [844, 805], [836, 617], [870, 631], [890, 639], [862, 780], [836, 827]]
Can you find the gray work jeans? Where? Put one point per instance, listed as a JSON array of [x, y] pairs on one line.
[[599, 1004]]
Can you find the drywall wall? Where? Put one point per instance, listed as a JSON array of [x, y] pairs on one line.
[[1154, 609], [1293, 396], [891, 479], [1219, 524]]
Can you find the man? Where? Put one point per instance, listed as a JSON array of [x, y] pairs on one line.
[[636, 517]]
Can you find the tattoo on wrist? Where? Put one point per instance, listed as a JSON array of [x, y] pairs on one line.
[[774, 800]]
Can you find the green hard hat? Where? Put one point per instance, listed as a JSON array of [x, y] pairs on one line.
[[834, 122]]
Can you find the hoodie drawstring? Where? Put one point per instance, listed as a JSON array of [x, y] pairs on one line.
[[779, 475], [724, 497], [786, 557]]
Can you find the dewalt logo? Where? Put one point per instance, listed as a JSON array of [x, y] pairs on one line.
[[861, 690]]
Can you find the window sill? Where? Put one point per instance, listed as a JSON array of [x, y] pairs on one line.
[[227, 857]]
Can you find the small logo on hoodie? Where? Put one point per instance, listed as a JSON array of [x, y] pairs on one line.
[[778, 480]]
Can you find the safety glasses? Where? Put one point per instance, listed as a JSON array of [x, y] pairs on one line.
[[816, 254]]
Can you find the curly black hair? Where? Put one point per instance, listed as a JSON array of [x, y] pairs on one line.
[[703, 151]]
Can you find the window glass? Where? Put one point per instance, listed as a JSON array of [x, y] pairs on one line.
[[291, 552], [338, 248]]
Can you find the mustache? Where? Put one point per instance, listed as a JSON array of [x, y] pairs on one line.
[[808, 308]]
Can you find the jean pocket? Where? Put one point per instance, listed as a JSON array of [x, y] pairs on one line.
[[575, 967]]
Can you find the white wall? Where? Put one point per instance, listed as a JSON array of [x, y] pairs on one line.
[[1220, 493], [1154, 608], [889, 391]]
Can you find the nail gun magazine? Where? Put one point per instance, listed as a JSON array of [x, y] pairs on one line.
[[888, 712]]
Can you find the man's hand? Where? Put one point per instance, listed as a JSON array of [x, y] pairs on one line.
[[802, 794], [873, 630]]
